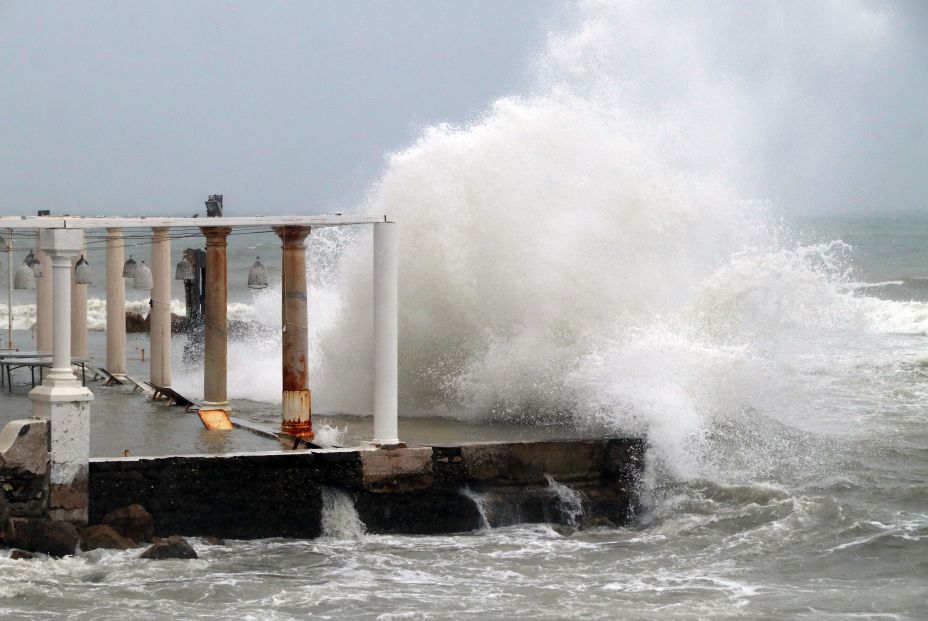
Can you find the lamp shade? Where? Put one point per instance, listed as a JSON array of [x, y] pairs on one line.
[[23, 278], [184, 270], [257, 275], [128, 268], [82, 272], [143, 279]]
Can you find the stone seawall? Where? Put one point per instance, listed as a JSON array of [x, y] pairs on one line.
[[423, 490], [24, 471]]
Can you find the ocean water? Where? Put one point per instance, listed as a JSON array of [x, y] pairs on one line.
[[575, 262]]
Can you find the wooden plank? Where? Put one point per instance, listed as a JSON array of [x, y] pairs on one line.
[[143, 386], [173, 397]]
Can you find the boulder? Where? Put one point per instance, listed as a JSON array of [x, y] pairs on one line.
[[170, 547], [21, 555], [132, 522], [51, 537], [597, 521], [102, 536], [563, 530], [136, 323]]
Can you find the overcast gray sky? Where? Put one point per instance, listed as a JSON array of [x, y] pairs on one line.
[[132, 107], [147, 107]]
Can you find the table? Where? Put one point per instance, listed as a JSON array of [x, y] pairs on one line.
[[33, 360]]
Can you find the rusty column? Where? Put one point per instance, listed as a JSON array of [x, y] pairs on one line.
[[297, 399], [215, 410]]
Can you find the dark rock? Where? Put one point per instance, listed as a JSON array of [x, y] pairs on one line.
[[563, 530], [51, 537], [21, 555], [170, 547], [597, 521], [102, 536], [213, 541], [132, 522], [136, 323]]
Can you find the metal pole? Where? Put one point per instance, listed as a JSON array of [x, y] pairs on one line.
[[386, 352], [9, 292]]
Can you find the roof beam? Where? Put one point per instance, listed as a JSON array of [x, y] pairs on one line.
[[101, 222]]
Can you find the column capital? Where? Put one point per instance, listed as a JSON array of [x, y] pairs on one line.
[[216, 235], [293, 235], [61, 242]]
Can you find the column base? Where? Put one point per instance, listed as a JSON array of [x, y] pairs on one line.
[[66, 404], [297, 414], [388, 444], [298, 429]]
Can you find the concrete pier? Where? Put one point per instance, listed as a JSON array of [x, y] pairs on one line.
[[61, 398], [296, 397], [160, 325], [215, 398], [115, 304]]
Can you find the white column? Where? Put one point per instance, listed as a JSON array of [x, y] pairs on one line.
[[78, 313], [61, 398], [386, 318], [160, 330], [43, 304], [115, 304]]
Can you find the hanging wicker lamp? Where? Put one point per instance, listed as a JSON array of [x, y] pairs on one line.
[[143, 279], [257, 275], [128, 268], [23, 278], [82, 273], [184, 270]]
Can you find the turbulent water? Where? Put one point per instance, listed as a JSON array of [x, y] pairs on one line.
[[577, 256]]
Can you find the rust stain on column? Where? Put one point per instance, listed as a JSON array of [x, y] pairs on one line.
[[296, 398], [215, 327]]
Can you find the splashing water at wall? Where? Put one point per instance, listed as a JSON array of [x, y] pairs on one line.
[[586, 252], [339, 517], [569, 501]]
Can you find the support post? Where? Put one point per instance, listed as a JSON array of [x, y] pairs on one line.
[[115, 304], [9, 291], [61, 398], [43, 304], [160, 330], [78, 313], [386, 321], [296, 397], [215, 410]]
